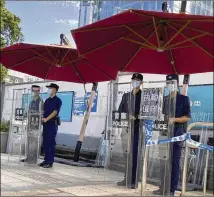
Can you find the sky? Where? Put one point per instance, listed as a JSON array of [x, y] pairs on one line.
[[42, 22]]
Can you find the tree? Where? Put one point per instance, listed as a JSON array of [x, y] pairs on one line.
[[3, 73], [10, 32]]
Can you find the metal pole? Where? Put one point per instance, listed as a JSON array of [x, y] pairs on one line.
[[183, 190], [85, 122], [2, 91], [205, 173], [144, 172]]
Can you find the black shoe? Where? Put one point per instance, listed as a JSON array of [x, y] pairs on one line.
[[122, 183], [158, 192], [41, 164], [23, 160], [47, 166]]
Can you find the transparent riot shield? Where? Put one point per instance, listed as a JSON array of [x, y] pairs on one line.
[[34, 124], [18, 124], [157, 112], [123, 150]]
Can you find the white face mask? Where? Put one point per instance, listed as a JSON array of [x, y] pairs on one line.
[[171, 87], [49, 91], [136, 84]]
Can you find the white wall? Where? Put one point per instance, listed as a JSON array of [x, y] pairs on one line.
[[96, 122]]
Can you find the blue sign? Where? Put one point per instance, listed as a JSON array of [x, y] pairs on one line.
[[66, 108], [201, 102], [80, 104]]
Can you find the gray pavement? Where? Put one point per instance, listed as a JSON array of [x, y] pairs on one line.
[[62, 180]]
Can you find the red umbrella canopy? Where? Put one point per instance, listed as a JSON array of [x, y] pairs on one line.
[[55, 62], [150, 42]]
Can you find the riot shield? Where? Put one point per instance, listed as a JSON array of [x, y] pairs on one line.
[[123, 150], [157, 112], [34, 123], [18, 124]]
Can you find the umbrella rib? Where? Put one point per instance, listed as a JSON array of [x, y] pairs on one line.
[[194, 29], [131, 59], [139, 49], [156, 31], [102, 46], [189, 39], [139, 43], [40, 55], [177, 32], [103, 72], [134, 32], [182, 47], [76, 70], [172, 61], [48, 72], [64, 56], [193, 42], [35, 56], [51, 56]]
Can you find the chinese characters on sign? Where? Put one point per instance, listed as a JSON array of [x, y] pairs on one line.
[[19, 114], [119, 119], [151, 105], [34, 122], [195, 103]]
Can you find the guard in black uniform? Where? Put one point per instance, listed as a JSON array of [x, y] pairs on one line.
[[182, 117], [130, 105]]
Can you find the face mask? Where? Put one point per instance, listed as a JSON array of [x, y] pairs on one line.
[[136, 84], [49, 91], [171, 87]]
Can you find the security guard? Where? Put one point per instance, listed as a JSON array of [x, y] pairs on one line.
[[35, 106], [130, 105], [50, 125], [182, 117]]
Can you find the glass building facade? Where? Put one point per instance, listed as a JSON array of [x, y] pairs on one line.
[[105, 9]]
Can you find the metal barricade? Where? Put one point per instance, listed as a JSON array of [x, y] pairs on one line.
[[195, 145]]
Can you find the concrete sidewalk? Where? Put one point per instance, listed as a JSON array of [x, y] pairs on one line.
[[63, 180]]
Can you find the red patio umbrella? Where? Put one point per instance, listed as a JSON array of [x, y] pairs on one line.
[[54, 62], [149, 42]]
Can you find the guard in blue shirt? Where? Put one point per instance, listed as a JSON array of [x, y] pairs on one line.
[[182, 117], [51, 121]]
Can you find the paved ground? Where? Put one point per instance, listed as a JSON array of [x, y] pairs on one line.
[[61, 180]]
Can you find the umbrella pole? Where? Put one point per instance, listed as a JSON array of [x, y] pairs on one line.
[[85, 122]]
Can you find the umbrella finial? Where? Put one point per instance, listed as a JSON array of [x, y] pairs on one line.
[[58, 65]]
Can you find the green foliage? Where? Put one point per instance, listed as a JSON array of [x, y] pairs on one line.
[[4, 126], [10, 32], [3, 73], [10, 29]]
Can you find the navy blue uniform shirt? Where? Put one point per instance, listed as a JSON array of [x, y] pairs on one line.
[[182, 106], [52, 104], [127, 104]]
